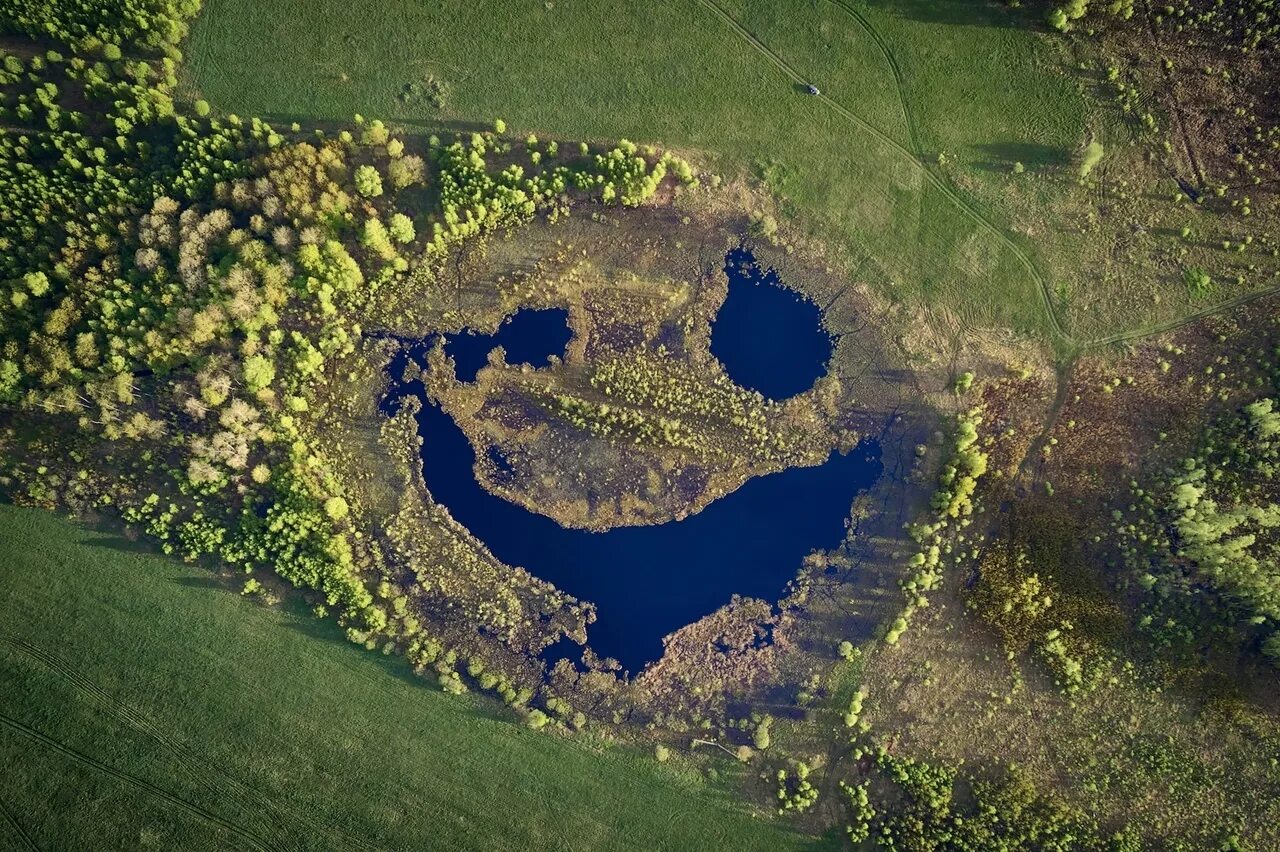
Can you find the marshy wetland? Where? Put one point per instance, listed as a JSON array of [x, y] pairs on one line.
[[866, 455], [647, 581]]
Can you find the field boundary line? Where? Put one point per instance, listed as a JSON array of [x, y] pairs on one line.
[[273, 814], [21, 834], [249, 837]]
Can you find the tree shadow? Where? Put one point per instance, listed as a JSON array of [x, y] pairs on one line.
[[300, 619], [1001, 156], [418, 123], [209, 582], [112, 540], [967, 13]]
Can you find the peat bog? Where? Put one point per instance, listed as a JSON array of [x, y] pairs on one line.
[[649, 581]]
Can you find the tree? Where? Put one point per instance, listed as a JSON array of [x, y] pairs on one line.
[[1271, 649], [37, 283], [368, 182], [259, 372], [336, 508], [401, 228], [406, 171], [761, 737], [10, 380]]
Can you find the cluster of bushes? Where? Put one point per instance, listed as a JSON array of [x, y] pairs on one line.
[[1201, 538], [952, 505], [126, 24], [1063, 17], [1031, 609], [795, 792], [909, 804], [181, 294], [659, 384]]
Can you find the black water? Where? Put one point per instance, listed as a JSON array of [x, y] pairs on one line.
[[649, 581], [769, 338], [530, 337]]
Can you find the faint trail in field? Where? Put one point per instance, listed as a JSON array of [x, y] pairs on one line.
[[200, 769], [18, 831], [913, 132], [980, 219], [1187, 319], [251, 839], [1178, 113]]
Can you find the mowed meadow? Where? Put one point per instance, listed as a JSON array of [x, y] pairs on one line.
[[903, 83], [143, 706]]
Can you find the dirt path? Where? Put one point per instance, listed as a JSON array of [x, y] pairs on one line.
[[939, 183], [1186, 319]]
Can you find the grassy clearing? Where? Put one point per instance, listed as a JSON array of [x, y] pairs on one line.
[[680, 73], [115, 666]]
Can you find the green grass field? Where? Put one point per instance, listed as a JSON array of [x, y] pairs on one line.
[[115, 667], [902, 83]]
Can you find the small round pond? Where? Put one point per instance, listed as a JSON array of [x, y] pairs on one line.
[[770, 339], [649, 581]]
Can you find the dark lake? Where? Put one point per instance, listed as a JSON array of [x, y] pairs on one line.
[[647, 581], [769, 338], [530, 337]]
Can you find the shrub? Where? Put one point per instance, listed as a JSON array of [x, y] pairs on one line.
[[1089, 159], [368, 182], [401, 229], [336, 508], [259, 372]]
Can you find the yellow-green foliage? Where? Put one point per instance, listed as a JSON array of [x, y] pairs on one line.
[[614, 421], [666, 387], [1011, 597], [953, 499]]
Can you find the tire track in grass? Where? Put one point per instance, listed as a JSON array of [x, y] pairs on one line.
[[979, 218], [198, 767], [27, 842], [1185, 319], [913, 132], [251, 839]]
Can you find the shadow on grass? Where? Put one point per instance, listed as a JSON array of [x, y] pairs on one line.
[[1001, 156], [416, 123], [209, 582], [967, 13], [326, 630], [112, 540]]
